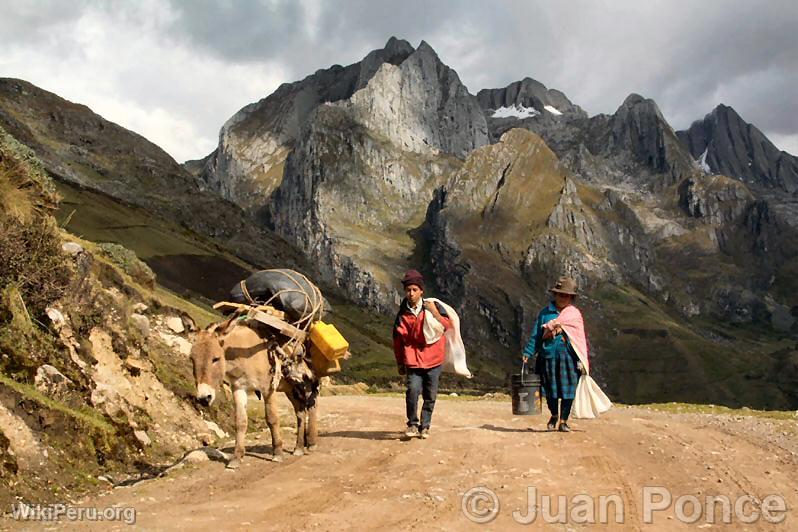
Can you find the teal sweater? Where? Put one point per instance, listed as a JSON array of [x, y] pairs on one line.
[[547, 348]]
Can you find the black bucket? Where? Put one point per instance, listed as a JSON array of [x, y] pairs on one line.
[[526, 393]]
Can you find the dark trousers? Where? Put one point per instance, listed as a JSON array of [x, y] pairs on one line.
[[424, 382], [566, 407]]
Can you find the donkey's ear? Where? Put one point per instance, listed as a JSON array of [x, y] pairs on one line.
[[225, 326]]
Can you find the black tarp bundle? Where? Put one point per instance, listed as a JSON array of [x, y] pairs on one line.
[[296, 295]]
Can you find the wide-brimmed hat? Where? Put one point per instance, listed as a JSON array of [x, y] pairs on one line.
[[413, 277], [564, 285]]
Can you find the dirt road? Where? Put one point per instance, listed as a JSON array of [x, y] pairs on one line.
[[365, 477]]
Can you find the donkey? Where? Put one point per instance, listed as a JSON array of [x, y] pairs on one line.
[[238, 355]]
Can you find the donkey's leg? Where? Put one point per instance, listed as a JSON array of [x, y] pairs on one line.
[[311, 432], [240, 398], [300, 426], [273, 421]]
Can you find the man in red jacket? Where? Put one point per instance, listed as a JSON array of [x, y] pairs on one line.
[[419, 356]]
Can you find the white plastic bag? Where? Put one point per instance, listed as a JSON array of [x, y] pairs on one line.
[[455, 358], [589, 400]]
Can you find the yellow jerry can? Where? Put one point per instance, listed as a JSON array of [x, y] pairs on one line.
[[328, 340], [322, 365]]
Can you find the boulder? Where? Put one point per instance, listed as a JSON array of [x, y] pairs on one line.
[[50, 381], [215, 429], [196, 457], [56, 317], [142, 437], [72, 248], [175, 324], [141, 323]]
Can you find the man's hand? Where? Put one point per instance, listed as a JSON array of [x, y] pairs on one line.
[[430, 306], [401, 369], [525, 359]]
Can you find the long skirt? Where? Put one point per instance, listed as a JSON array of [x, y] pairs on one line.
[[560, 375]]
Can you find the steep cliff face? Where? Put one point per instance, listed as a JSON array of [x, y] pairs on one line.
[[353, 202], [418, 103], [723, 143], [363, 170], [421, 106], [638, 128], [501, 227]]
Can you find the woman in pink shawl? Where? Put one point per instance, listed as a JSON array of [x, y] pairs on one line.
[[558, 338]]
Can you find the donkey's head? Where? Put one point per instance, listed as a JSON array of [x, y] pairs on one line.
[[207, 357]]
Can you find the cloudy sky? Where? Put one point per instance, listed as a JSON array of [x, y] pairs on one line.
[[174, 71]]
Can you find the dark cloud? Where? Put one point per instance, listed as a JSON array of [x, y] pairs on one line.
[[23, 23], [688, 56]]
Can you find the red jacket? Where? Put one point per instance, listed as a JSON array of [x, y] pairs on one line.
[[409, 345]]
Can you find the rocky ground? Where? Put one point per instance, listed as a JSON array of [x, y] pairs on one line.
[[365, 476]]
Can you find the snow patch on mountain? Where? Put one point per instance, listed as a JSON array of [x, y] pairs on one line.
[[702, 162], [515, 111], [552, 110]]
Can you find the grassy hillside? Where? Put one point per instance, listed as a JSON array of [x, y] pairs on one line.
[[192, 274], [649, 354]]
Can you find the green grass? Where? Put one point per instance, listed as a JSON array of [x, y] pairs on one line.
[[202, 314], [370, 342], [101, 219], [86, 416], [650, 355], [689, 408]]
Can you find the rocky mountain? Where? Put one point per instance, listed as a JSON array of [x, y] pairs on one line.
[[525, 96], [635, 145], [723, 143], [374, 181], [363, 170], [83, 149], [526, 102], [391, 163], [435, 112]]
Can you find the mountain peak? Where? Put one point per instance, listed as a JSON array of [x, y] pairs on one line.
[[530, 94], [728, 112], [632, 100], [727, 144], [396, 46], [425, 49]]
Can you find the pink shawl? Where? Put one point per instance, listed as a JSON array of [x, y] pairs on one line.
[[570, 319]]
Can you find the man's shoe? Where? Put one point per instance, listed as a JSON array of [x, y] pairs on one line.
[[412, 431], [552, 424], [424, 434], [564, 427]]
